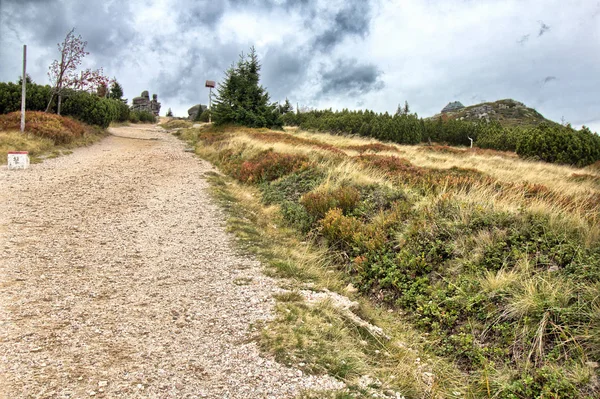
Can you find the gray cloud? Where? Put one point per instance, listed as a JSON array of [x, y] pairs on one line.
[[523, 39], [349, 77], [354, 19], [203, 12], [543, 28]]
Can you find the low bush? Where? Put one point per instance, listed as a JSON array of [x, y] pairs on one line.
[[318, 203], [37, 97], [559, 144], [59, 129], [291, 187], [142, 117], [269, 166], [203, 116], [91, 109]]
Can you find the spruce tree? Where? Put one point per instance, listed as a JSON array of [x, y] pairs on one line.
[[241, 100]]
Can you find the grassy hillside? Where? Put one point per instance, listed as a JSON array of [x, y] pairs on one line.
[[507, 112], [483, 269]]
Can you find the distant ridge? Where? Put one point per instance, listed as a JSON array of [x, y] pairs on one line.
[[507, 112]]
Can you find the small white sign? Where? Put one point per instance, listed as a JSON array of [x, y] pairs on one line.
[[18, 160]]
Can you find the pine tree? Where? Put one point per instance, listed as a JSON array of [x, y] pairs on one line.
[[241, 100], [116, 91], [169, 113]]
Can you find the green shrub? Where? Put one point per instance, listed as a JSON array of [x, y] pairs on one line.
[[318, 203], [91, 109], [203, 116], [37, 97], [292, 186], [142, 116], [559, 144]]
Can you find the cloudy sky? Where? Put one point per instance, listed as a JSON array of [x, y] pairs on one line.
[[370, 54]]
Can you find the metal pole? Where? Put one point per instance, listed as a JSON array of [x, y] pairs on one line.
[[209, 104], [23, 88]]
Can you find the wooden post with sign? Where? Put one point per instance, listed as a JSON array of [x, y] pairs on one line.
[[210, 84]]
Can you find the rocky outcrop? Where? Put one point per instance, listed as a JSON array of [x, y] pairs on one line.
[[195, 110], [143, 103], [453, 106]]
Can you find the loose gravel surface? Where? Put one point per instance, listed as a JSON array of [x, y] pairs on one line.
[[118, 280]]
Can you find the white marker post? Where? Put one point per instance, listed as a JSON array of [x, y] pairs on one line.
[[210, 84], [18, 160], [23, 88]]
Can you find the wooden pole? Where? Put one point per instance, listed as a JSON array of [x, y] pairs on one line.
[[23, 88], [209, 104]]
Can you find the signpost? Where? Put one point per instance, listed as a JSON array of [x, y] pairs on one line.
[[210, 84]]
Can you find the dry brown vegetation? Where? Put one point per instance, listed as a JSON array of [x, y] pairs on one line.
[[45, 134]]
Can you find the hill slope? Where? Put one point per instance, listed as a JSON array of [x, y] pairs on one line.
[[508, 112], [489, 262]]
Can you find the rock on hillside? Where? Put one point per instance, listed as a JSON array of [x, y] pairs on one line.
[[508, 112], [195, 110]]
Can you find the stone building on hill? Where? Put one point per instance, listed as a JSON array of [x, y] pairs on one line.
[[453, 106], [143, 103]]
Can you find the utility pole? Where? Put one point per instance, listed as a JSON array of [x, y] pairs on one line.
[[23, 88]]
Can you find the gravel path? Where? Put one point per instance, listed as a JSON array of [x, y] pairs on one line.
[[118, 280]]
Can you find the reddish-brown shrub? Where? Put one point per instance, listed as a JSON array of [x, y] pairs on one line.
[[60, 129], [268, 166]]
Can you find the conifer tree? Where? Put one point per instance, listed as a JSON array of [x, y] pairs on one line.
[[241, 100]]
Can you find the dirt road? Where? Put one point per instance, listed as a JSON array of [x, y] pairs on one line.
[[118, 280]]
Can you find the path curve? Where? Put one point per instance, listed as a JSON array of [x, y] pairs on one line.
[[118, 279]]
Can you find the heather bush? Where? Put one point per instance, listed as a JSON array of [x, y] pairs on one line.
[[268, 166], [59, 129]]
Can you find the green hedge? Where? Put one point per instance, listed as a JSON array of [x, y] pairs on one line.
[[142, 116], [550, 143], [37, 97], [91, 109], [560, 145], [88, 108]]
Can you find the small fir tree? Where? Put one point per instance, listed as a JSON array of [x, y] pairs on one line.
[[241, 100]]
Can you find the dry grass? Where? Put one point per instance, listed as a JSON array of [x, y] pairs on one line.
[[40, 148], [499, 165], [17, 141]]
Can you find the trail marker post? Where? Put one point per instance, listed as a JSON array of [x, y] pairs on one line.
[[23, 88], [18, 160], [210, 84]]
